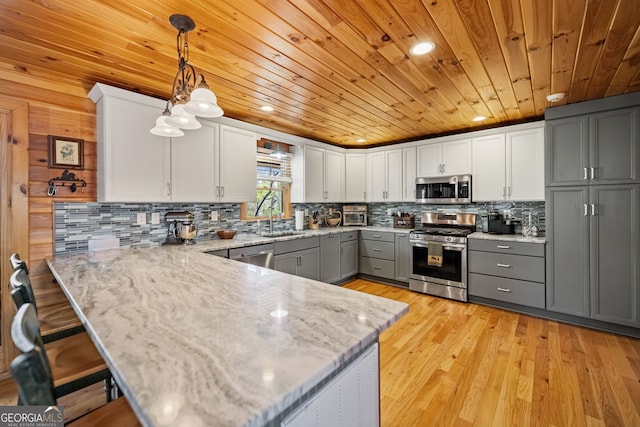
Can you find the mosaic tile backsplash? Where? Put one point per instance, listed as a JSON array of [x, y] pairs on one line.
[[77, 223]]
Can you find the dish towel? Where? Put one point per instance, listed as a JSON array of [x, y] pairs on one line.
[[435, 254]]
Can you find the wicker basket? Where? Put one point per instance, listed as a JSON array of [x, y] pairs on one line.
[[404, 222]]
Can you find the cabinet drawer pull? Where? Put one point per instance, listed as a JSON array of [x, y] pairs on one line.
[[593, 173], [377, 268], [504, 290], [377, 236], [377, 250], [504, 247], [593, 209], [586, 212], [503, 265], [586, 174]]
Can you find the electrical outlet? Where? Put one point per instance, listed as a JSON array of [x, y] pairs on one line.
[[155, 217], [389, 211], [214, 216], [141, 218], [306, 212]]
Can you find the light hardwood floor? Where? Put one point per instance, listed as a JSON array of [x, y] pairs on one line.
[[448, 363]]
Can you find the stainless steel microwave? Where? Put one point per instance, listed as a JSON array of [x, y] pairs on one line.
[[449, 190]]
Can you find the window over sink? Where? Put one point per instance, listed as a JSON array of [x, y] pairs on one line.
[[273, 181]]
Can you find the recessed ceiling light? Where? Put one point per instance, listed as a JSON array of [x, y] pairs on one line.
[[555, 97], [361, 140], [267, 108], [479, 118], [422, 48]]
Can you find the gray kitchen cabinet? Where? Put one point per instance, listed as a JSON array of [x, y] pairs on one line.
[[594, 148], [402, 257], [300, 257], [377, 254], [593, 209], [348, 254], [594, 252], [330, 258], [507, 271]]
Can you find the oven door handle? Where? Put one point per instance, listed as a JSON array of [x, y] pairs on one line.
[[450, 247]]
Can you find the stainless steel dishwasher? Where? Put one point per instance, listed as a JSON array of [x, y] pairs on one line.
[[260, 255]]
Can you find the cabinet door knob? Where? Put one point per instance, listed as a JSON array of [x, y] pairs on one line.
[[586, 212], [586, 174], [593, 209], [168, 189], [593, 173]]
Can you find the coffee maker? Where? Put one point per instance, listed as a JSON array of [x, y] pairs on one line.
[[182, 230], [499, 224]]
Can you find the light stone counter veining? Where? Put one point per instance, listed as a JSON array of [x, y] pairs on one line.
[[197, 339], [506, 237]]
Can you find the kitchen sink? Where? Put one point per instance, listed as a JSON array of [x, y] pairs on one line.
[[281, 233]]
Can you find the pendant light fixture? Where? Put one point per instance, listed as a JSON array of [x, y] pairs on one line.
[[190, 94], [278, 153]]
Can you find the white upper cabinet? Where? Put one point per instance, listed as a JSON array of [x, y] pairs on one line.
[[355, 177], [133, 165], [385, 179], [489, 169], [215, 163], [334, 176], [237, 166], [409, 165], [509, 166], [525, 164], [193, 156], [444, 158], [318, 175]]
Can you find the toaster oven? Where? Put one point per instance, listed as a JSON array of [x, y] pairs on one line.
[[354, 215]]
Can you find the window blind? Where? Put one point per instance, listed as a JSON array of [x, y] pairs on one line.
[[272, 169]]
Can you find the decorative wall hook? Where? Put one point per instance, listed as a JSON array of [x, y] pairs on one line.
[[67, 178]]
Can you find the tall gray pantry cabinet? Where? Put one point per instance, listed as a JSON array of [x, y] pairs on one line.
[[592, 173]]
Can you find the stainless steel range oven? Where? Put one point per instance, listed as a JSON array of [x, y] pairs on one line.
[[439, 254]]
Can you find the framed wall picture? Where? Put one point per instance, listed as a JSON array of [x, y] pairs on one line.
[[66, 153]]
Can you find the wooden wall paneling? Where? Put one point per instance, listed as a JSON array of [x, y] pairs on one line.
[[421, 26], [14, 221], [450, 24], [507, 17], [567, 26], [621, 33], [628, 72], [393, 102], [597, 20], [537, 20], [317, 59], [479, 23]]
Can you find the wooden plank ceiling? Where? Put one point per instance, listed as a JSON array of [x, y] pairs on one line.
[[340, 70]]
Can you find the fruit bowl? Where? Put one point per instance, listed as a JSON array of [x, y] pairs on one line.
[[333, 222], [226, 234]]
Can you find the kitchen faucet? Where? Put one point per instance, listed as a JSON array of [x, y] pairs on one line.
[[273, 198]]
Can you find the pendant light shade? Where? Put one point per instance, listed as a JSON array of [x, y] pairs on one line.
[[190, 94], [181, 119], [163, 129], [278, 153], [203, 103]]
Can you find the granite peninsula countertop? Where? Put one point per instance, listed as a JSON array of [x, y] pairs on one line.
[[205, 341], [248, 239], [506, 237]]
